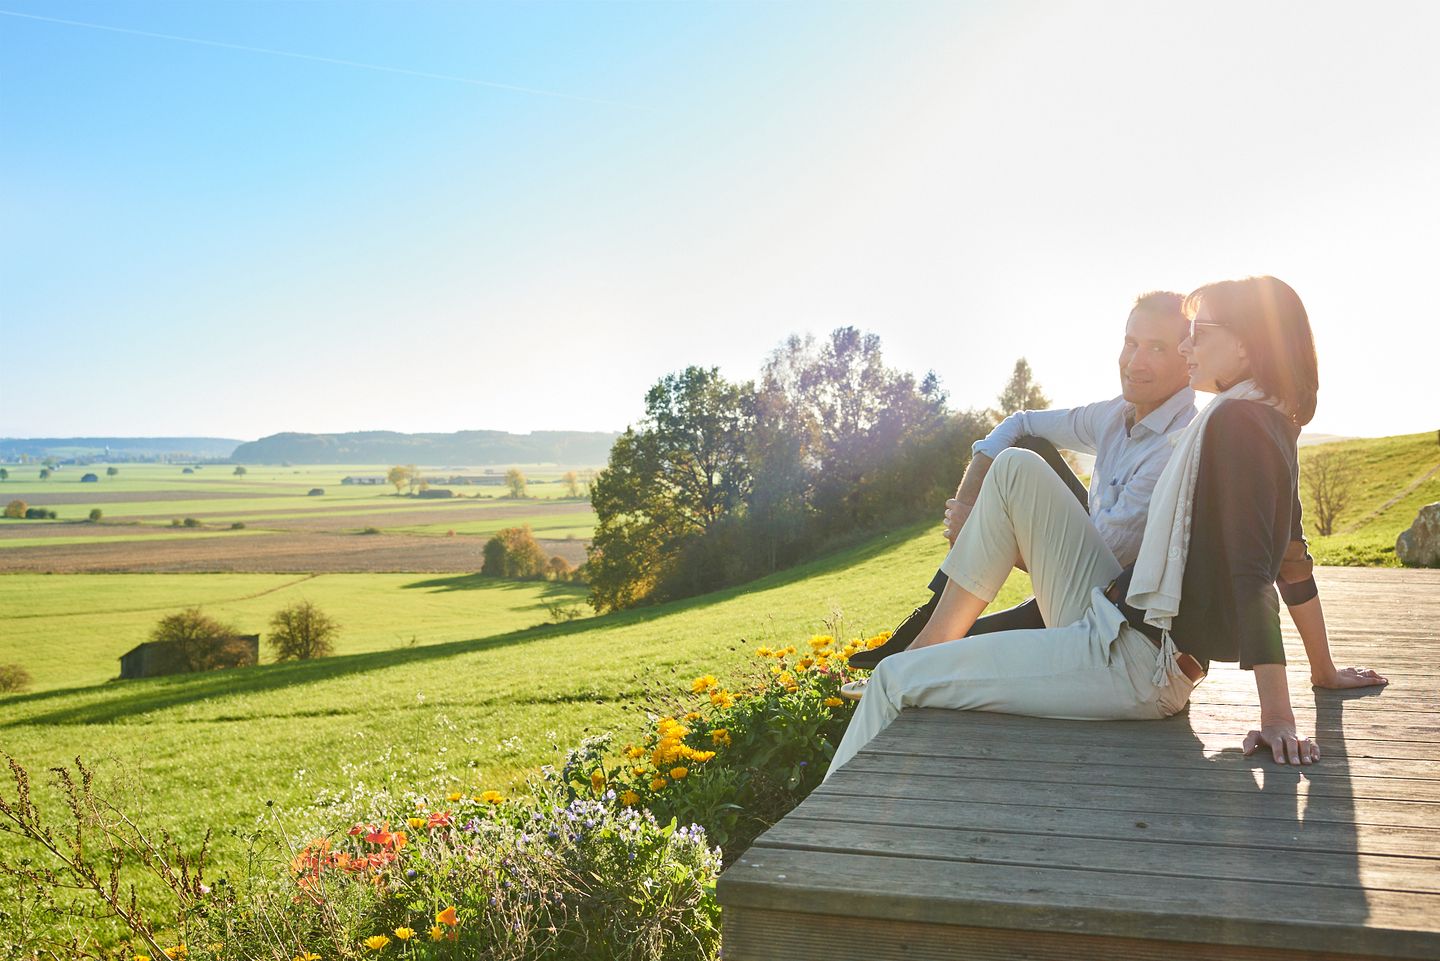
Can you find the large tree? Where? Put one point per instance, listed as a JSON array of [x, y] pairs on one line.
[[848, 412], [668, 483]]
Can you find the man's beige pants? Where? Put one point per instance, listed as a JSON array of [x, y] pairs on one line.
[[1095, 667]]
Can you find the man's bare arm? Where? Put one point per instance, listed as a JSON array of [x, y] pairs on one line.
[[957, 508]]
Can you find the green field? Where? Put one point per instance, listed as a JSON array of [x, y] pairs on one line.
[[474, 702], [1389, 467], [69, 630]]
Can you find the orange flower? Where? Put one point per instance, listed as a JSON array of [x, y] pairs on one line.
[[439, 819], [833, 702], [447, 917]]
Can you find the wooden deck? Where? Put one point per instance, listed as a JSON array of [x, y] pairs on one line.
[[985, 836]]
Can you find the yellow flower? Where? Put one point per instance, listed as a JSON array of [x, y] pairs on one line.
[[658, 783], [597, 780], [629, 799], [637, 770], [376, 942], [877, 641], [763, 652], [785, 679], [437, 933], [492, 797], [678, 773], [777, 670], [833, 702], [821, 641], [693, 716], [631, 751], [701, 756], [722, 698], [454, 796], [142, 957], [416, 822], [703, 683], [176, 953], [720, 736], [404, 934], [789, 650], [307, 956]]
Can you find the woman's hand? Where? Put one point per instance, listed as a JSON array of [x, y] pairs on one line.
[[1284, 743], [1347, 678]]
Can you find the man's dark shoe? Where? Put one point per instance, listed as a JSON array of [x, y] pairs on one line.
[[908, 630]]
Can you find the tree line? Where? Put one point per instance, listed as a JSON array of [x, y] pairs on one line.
[[723, 481]]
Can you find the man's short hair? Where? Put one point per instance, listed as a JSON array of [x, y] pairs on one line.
[[1164, 303]]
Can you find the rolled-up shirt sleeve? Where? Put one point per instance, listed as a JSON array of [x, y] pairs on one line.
[[1297, 580], [1073, 428]]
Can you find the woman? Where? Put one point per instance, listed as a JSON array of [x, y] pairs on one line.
[[1137, 640]]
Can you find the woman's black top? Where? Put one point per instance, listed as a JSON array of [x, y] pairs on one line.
[[1246, 516]]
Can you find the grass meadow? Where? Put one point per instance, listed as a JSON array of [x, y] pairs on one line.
[[475, 703], [1397, 476]]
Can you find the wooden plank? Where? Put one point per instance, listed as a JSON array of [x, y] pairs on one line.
[[763, 935], [1276, 804], [1133, 856], [906, 765], [1416, 726], [998, 735], [928, 742], [1264, 914], [1161, 826]]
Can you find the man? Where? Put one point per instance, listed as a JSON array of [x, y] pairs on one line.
[[1128, 436]]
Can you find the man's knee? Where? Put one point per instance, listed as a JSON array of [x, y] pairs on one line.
[[1016, 461]]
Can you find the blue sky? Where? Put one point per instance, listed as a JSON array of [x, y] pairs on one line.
[[203, 239]]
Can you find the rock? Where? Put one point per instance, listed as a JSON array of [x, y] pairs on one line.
[[1420, 545]]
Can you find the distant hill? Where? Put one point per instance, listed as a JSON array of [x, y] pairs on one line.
[[118, 448], [470, 447]]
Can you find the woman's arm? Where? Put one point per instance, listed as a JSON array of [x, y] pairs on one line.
[[1277, 720], [1309, 620]]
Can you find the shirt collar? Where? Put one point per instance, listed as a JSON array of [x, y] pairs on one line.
[[1162, 418]]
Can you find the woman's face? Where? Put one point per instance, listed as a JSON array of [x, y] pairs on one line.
[[1214, 355]]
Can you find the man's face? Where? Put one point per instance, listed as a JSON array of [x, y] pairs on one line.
[[1151, 366]]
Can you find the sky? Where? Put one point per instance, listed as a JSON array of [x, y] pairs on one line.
[[233, 218]]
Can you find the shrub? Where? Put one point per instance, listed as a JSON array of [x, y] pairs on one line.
[[16, 509], [513, 552], [174, 522], [39, 514], [302, 631], [739, 760], [192, 522], [13, 679], [238, 526], [96, 514], [201, 643], [316, 492], [558, 568], [371, 530], [111, 471]]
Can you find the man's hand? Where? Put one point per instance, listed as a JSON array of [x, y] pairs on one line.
[[1347, 678], [956, 514], [1284, 743]]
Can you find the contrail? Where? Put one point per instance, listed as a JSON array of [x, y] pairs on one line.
[[331, 60]]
